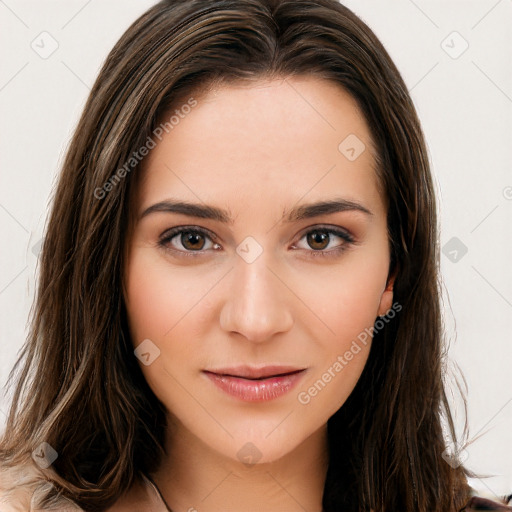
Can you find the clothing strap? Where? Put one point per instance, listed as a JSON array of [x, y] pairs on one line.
[[156, 490]]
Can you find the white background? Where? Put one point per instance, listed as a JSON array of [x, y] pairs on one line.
[[464, 103]]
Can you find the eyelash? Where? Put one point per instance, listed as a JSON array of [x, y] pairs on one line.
[[322, 253]]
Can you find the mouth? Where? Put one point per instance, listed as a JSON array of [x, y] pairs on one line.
[[255, 385], [250, 373]]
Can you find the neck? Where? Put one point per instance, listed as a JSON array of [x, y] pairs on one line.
[[195, 477]]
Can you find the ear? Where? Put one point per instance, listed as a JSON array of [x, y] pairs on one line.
[[386, 299]]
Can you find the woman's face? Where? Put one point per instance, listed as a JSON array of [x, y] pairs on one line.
[[254, 274]]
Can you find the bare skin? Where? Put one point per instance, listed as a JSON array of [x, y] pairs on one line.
[[257, 151]]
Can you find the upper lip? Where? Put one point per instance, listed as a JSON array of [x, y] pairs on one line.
[[251, 372]]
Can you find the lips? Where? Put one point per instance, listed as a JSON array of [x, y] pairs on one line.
[[251, 384], [252, 373]]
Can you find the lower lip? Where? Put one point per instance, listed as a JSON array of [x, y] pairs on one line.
[[255, 390]]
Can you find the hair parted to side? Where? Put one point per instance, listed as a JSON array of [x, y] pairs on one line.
[[80, 388]]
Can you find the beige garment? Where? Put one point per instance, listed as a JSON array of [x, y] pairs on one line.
[[22, 488]]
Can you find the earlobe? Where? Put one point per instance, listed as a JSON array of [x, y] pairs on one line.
[[386, 299]]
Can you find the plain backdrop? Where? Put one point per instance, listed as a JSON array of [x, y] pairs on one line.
[[456, 59]]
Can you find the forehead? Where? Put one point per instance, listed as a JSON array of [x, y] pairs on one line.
[[265, 143]]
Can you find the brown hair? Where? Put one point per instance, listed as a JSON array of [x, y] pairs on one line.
[[81, 389]]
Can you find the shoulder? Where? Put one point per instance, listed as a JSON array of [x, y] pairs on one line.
[[134, 500], [24, 489], [142, 495], [16, 488], [484, 501]]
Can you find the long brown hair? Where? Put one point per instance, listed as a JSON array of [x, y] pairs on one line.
[[80, 388]]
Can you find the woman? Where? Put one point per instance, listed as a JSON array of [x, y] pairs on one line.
[[195, 345]]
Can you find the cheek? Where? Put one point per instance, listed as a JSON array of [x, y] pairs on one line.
[[347, 305], [162, 306], [169, 307], [346, 299], [341, 354], [158, 301]]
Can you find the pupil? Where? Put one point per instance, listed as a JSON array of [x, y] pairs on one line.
[[318, 237], [192, 238]]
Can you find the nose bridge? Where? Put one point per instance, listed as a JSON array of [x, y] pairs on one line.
[[256, 304]]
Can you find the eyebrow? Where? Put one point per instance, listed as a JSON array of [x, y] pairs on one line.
[[306, 211]]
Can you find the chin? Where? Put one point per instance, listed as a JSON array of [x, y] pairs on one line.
[[259, 444]]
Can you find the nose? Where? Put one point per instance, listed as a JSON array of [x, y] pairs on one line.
[[258, 301]]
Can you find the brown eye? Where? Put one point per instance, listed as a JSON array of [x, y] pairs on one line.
[[192, 240], [318, 240], [182, 241]]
